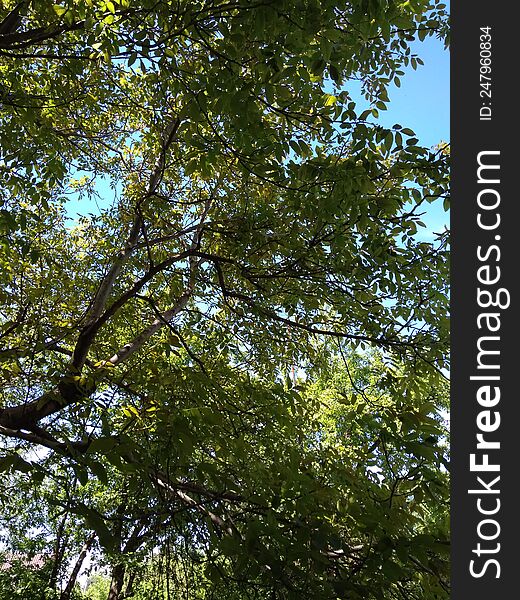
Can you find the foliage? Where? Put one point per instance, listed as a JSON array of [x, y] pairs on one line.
[[97, 587], [253, 222], [21, 581], [345, 486]]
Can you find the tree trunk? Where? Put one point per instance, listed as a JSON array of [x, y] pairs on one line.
[[67, 592], [59, 550], [118, 572], [116, 585], [129, 591]]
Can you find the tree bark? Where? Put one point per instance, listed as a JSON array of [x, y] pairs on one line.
[[129, 591], [59, 550], [116, 585], [67, 592]]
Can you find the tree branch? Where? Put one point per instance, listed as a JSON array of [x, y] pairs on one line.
[[87, 335]]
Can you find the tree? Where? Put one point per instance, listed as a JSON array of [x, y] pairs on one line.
[[258, 219], [344, 493], [24, 580]]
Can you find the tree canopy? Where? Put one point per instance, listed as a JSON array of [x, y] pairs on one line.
[[231, 361]]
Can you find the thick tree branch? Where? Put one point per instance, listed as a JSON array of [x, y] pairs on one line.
[[24, 39], [88, 333], [194, 258], [67, 592]]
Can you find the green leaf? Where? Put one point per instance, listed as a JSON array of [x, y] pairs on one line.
[[392, 570], [99, 471], [59, 10], [102, 445]]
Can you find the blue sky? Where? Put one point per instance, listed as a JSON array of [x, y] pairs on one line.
[[423, 100], [421, 103]]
